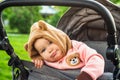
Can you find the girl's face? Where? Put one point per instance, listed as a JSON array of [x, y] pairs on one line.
[[48, 50]]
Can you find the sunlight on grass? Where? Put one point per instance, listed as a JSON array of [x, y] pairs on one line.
[[18, 41], [5, 70]]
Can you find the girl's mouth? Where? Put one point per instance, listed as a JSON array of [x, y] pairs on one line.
[[53, 54]]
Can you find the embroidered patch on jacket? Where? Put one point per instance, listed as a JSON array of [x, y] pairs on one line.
[[73, 59]]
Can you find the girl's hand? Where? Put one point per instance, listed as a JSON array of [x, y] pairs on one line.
[[38, 62]]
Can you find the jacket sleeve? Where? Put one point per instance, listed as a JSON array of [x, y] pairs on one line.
[[93, 62]]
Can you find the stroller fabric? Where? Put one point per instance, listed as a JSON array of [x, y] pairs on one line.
[[44, 73]]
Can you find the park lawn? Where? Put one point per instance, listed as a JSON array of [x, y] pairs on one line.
[[17, 41]]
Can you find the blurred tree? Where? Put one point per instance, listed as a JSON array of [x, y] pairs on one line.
[[53, 20], [21, 18]]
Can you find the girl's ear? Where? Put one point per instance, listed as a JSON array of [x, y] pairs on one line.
[[26, 46]]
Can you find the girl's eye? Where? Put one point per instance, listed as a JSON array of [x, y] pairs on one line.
[[43, 50], [50, 42]]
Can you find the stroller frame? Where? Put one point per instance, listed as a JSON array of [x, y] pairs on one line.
[[112, 53]]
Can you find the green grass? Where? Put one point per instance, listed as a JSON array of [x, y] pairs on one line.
[[17, 41]]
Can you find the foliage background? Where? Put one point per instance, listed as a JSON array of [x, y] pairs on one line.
[[19, 20]]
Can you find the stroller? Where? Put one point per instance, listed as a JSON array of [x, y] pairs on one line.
[[96, 23]]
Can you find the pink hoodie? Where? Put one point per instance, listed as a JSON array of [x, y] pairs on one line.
[[83, 57]]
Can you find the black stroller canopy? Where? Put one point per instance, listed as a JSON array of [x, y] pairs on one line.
[[83, 23], [87, 20]]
